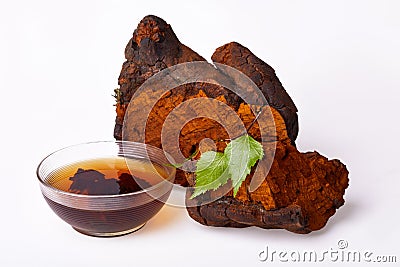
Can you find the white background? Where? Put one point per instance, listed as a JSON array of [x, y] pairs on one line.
[[60, 61]]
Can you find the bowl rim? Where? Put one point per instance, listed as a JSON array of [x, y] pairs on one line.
[[148, 189]]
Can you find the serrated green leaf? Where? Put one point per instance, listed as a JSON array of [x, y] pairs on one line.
[[242, 153], [211, 172], [213, 169]]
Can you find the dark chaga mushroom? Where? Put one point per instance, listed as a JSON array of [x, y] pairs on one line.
[[301, 190], [92, 182]]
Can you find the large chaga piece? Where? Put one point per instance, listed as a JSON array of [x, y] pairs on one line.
[[301, 190], [299, 194]]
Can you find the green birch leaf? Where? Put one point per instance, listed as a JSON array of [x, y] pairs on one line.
[[242, 153], [214, 169], [211, 172]]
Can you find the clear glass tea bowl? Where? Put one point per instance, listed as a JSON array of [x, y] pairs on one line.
[[109, 210]]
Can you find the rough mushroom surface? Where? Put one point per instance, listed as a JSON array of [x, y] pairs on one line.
[[301, 190]]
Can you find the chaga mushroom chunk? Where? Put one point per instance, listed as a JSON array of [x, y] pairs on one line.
[[92, 182], [301, 190], [300, 193]]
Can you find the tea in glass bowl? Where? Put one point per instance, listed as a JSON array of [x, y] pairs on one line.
[[106, 188]]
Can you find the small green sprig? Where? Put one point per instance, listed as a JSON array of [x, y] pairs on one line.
[[118, 96]]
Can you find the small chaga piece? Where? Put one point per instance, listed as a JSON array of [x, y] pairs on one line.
[[93, 182], [300, 193]]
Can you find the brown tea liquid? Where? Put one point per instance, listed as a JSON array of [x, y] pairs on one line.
[[105, 177]]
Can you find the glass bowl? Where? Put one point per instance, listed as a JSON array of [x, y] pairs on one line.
[[106, 205]]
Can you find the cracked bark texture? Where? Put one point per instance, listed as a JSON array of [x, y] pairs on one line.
[[301, 190], [154, 47]]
